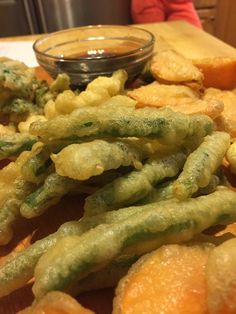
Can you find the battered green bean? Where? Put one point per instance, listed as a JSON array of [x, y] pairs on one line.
[[165, 191], [18, 270], [164, 124], [106, 277], [135, 185], [201, 164], [10, 209], [82, 161], [11, 145], [73, 258], [39, 164], [50, 193]]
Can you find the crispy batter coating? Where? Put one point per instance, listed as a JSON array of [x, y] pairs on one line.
[[82, 161], [13, 190], [108, 121], [171, 279], [96, 93], [220, 278], [135, 185], [154, 225], [212, 108], [227, 120], [169, 65], [231, 157], [56, 302], [159, 95], [201, 164]]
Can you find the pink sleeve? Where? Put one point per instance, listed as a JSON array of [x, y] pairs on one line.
[[150, 11], [147, 11], [182, 10]]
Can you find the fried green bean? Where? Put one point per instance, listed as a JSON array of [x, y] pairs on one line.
[[10, 209], [106, 277], [201, 164], [50, 193], [39, 164], [17, 270], [163, 124], [18, 109], [73, 258], [165, 191], [16, 77], [82, 161], [135, 185], [11, 145]]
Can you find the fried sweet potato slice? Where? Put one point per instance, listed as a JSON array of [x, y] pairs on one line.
[[221, 278], [169, 280], [159, 95], [227, 120], [169, 65], [56, 302], [219, 72], [212, 107]]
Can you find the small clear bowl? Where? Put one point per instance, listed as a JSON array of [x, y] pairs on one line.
[[87, 52]]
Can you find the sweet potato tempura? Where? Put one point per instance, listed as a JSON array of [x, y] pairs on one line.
[[159, 95], [169, 65]]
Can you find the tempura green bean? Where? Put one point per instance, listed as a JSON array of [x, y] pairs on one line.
[[10, 209], [39, 164], [201, 164], [135, 185], [11, 145], [73, 258], [82, 161], [16, 271], [164, 124], [50, 193], [165, 191]]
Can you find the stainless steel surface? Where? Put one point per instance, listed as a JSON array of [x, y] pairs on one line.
[[55, 15], [17, 18]]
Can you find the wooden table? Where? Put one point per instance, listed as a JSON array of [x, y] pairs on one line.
[[189, 41], [183, 37]]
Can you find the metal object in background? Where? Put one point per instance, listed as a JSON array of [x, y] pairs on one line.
[[22, 17], [17, 17], [54, 15]]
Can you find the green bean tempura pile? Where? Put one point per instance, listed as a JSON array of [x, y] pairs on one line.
[[151, 176]]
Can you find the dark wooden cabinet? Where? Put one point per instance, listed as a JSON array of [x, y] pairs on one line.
[[218, 18], [206, 10]]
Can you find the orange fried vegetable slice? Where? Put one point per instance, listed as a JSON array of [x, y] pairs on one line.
[[212, 108], [169, 65], [159, 95], [219, 72], [227, 120], [169, 280], [56, 302], [221, 278]]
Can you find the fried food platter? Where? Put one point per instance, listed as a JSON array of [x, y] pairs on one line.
[[180, 92]]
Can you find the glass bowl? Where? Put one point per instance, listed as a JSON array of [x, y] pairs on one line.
[[87, 52]]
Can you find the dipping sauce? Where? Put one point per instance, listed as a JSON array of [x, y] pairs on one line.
[[105, 52]]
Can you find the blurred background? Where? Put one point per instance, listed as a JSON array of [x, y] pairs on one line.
[[23, 17]]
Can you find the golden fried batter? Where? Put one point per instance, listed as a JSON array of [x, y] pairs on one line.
[[159, 95], [56, 302], [227, 120], [212, 107], [169, 65]]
